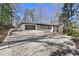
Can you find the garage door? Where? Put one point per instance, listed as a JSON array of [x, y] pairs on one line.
[[29, 27]]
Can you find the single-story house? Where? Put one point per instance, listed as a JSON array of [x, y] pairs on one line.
[[37, 26]]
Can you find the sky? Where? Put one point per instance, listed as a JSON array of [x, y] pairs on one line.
[[50, 6]]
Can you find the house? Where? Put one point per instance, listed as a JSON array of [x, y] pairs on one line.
[[56, 28]]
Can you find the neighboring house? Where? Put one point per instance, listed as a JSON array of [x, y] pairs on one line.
[[56, 28]]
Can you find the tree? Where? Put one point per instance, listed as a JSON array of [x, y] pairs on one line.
[[27, 16], [41, 14], [16, 22], [55, 14], [77, 14], [37, 15], [68, 11], [6, 14]]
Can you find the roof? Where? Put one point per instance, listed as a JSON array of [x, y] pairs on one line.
[[40, 24]]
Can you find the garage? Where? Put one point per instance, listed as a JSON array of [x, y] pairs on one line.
[[29, 27]]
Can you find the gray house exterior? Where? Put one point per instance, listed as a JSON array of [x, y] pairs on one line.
[[56, 28]]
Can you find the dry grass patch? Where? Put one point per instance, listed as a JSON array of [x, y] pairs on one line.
[[2, 38]]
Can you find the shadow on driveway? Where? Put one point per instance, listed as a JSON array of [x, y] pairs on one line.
[[33, 39]]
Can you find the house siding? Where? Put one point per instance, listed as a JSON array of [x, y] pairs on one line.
[[52, 28]]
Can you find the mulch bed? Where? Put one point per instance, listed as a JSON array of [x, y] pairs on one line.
[[77, 44], [76, 40], [4, 31], [3, 34], [2, 37]]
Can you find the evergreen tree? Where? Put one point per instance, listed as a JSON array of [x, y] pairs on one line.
[[68, 11], [6, 14]]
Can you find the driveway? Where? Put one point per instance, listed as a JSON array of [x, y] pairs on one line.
[[30, 45]]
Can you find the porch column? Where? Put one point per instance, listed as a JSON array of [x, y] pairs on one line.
[[23, 27], [36, 27], [52, 29]]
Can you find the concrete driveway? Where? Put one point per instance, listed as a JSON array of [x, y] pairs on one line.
[[30, 45]]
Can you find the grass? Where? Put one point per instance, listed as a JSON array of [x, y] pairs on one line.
[[2, 37]]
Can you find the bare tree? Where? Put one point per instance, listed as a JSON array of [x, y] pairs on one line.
[[27, 16], [40, 14], [55, 15]]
